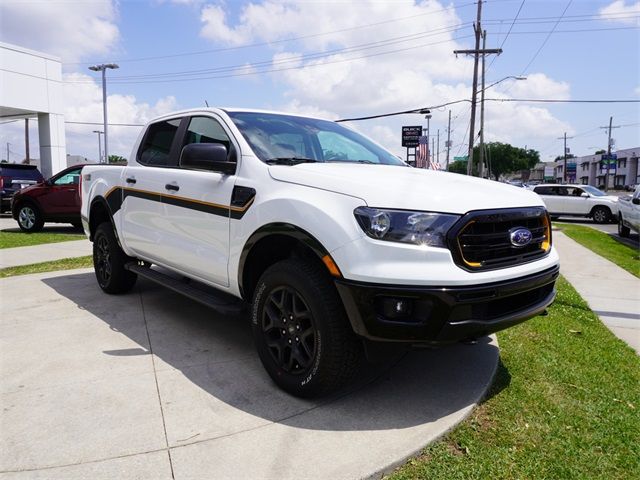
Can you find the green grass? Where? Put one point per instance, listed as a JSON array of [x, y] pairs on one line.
[[21, 239], [565, 404], [64, 264], [604, 245]]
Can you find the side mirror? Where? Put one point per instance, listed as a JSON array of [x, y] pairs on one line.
[[636, 201], [208, 156], [584, 194]]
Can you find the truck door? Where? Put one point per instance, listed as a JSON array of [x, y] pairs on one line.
[[197, 209], [142, 214]]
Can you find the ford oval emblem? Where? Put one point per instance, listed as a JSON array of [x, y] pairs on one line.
[[520, 236]]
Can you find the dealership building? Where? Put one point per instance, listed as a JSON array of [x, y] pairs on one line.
[[31, 88]]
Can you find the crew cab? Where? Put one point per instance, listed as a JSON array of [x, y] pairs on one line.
[[578, 201], [629, 213], [334, 244]]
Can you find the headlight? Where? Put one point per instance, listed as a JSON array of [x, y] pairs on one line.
[[419, 228]]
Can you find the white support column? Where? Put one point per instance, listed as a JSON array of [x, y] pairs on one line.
[[52, 143]]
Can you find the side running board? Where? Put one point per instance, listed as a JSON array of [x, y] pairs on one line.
[[219, 301]]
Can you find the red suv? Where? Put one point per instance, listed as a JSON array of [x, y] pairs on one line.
[[54, 200]]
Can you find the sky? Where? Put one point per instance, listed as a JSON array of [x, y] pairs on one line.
[[341, 59]]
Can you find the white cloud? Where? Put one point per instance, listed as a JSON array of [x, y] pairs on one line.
[[70, 30], [83, 100], [621, 12], [536, 86]]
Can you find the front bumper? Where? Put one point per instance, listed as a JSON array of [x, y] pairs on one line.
[[439, 315]]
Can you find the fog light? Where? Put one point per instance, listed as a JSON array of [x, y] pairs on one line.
[[393, 308]]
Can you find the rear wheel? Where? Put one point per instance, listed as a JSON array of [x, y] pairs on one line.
[[622, 230], [29, 218], [601, 214], [302, 335], [109, 262]]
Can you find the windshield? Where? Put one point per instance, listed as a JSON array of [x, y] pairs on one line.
[[275, 137], [593, 191]]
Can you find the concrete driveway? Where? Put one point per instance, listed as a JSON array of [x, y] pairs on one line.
[[153, 385]]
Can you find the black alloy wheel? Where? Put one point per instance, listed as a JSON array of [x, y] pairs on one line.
[[302, 334], [109, 262], [102, 260], [289, 329]]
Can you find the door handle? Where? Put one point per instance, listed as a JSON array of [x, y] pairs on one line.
[[131, 180], [171, 186]]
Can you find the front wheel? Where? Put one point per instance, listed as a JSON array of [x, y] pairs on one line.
[[601, 214], [109, 262], [622, 230], [30, 219], [301, 331]]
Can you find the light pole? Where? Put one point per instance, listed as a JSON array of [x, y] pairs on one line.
[[99, 145], [103, 68]]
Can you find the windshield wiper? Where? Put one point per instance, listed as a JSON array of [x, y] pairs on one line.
[[289, 160], [352, 161]]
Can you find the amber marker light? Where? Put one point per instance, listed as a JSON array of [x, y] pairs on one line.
[[331, 266]]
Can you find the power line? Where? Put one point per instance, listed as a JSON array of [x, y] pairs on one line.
[[248, 73], [284, 40], [297, 59], [547, 38]]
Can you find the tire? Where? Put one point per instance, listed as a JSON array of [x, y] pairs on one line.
[[622, 230], [30, 219], [77, 225], [109, 261], [554, 217], [301, 331], [601, 214]]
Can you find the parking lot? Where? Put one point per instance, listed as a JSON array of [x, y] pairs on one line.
[[153, 385]]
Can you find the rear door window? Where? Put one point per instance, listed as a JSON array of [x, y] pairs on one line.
[[155, 150]]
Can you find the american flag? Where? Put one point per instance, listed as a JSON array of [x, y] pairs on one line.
[[422, 153]]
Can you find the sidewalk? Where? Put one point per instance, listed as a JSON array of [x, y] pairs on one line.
[[611, 292], [47, 252]]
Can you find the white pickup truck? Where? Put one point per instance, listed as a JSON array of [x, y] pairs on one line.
[[629, 213], [334, 244]]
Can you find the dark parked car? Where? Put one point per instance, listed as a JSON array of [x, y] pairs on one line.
[[56, 200], [13, 178]]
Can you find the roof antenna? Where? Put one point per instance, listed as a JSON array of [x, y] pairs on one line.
[[206, 103]]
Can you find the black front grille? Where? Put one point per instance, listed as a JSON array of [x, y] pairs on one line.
[[481, 240]]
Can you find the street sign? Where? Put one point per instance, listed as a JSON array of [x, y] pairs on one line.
[[411, 136], [461, 159]]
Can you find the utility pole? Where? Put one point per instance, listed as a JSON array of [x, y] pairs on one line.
[[564, 168], [606, 175], [474, 92], [481, 159], [26, 140], [448, 141], [8, 152], [438, 150]]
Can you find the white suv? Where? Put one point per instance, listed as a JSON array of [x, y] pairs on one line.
[[578, 201]]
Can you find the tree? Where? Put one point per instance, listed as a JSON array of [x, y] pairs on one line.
[[599, 152], [459, 166], [505, 158], [117, 159], [561, 157]]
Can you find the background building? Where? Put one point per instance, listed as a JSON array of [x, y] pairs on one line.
[[592, 169]]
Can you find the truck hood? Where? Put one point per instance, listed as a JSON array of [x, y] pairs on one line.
[[387, 186]]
